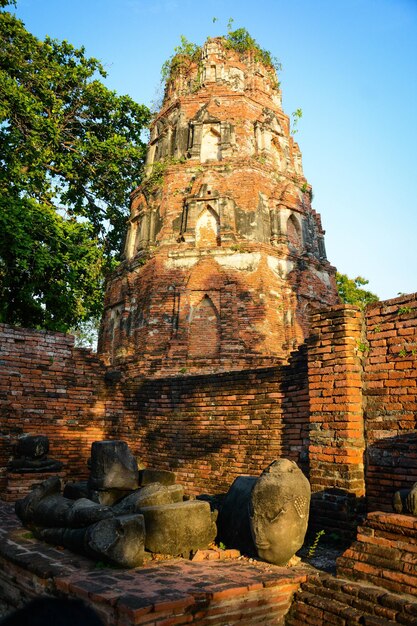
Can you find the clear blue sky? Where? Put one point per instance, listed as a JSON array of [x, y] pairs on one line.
[[351, 65]]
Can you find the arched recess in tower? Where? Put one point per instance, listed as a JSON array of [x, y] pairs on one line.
[[204, 330], [207, 228], [210, 143], [294, 232]]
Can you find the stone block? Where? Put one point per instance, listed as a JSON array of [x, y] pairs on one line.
[[32, 446], [164, 477], [113, 466], [150, 495], [178, 528], [108, 497], [233, 521], [25, 508], [119, 540], [76, 490]]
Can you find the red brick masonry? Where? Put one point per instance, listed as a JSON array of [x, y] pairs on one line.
[[163, 593], [385, 553], [344, 408]]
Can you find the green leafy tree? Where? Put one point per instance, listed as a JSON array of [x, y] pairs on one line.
[[70, 153], [351, 292]]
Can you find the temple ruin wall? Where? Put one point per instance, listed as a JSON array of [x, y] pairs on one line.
[[344, 408]]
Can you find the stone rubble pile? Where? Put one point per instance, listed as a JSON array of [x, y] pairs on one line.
[[120, 512]]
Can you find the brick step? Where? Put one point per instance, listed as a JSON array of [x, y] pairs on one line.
[[384, 554], [326, 600]]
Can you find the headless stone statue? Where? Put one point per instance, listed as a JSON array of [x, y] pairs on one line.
[[83, 525], [31, 456], [405, 501]]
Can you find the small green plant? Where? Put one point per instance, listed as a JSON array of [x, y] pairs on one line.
[[102, 565], [312, 550], [28, 535], [407, 351], [403, 310], [296, 116], [183, 370], [261, 158], [377, 328], [362, 346], [155, 173], [222, 545]]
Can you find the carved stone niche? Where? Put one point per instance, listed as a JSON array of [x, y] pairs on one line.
[[168, 138], [207, 219], [209, 139], [144, 226], [270, 141], [294, 232]]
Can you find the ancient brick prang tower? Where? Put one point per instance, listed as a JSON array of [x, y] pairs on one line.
[[224, 258]]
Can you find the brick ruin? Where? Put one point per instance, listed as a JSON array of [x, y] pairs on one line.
[[223, 345], [224, 259]]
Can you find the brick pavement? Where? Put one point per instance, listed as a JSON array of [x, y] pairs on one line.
[[174, 591]]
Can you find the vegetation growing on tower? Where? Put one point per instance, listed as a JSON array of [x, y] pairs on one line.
[[239, 40]]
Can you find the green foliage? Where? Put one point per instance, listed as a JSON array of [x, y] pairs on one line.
[[28, 535], [403, 310], [351, 292], [407, 351], [296, 117], [156, 172], [363, 347], [70, 154], [50, 267], [241, 41], [86, 333], [312, 550], [184, 55]]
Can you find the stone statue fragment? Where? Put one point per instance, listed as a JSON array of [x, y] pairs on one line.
[[405, 501], [31, 456], [179, 528], [267, 516], [279, 507], [113, 466]]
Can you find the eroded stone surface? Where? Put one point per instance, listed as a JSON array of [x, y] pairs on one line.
[[113, 466], [149, 475], [150, 495], [279, 507], [119, 540], [25, 508], [405, 500], [178, 528]]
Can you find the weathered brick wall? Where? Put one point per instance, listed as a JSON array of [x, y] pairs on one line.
[[49, 387], [211, 428], [325, 600], [352, 388], [383, 553], [336, 419], [390, 383]]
